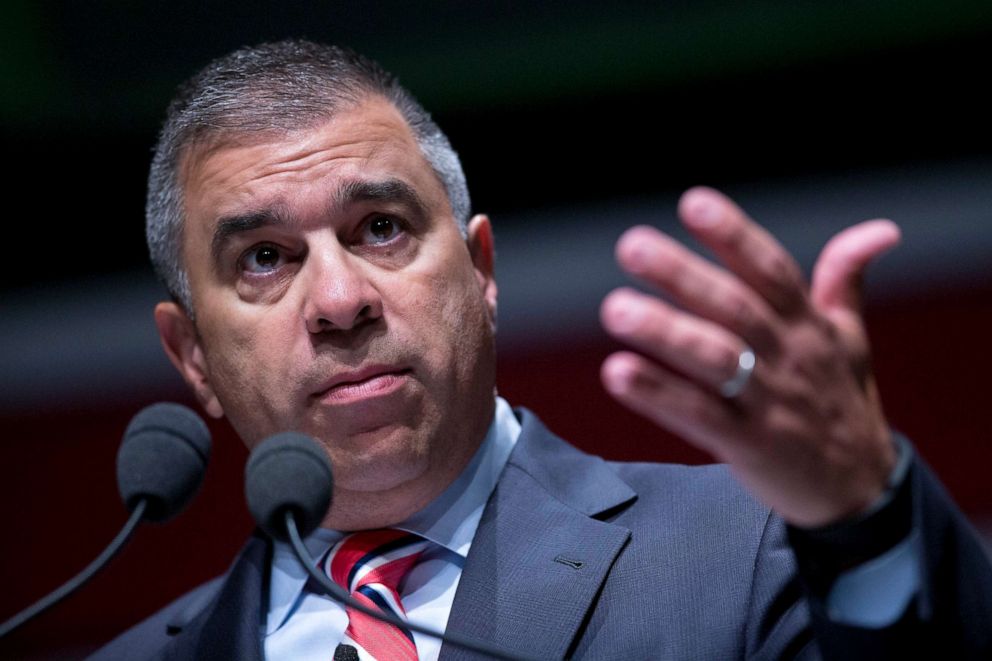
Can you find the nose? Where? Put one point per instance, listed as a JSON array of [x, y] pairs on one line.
[[339, 294]]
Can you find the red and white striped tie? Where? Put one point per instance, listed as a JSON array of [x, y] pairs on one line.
[[370, 565]]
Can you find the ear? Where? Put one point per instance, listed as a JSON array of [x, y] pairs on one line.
[[480, 247], [182, 345]]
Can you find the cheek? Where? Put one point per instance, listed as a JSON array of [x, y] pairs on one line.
[[463, 314], [244, 363], [446, 314], [232, 362]]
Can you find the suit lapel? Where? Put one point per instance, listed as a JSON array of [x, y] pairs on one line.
[[540, 556], [537, 562], [231, 626]]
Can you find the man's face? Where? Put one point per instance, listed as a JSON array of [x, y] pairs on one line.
[[334, 295]]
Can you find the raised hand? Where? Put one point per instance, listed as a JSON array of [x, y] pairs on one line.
[[804, 429]]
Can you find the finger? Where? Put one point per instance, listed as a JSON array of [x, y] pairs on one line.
[[745, 248], [697, 348], [671, 401], [839, 270], [699, 286]]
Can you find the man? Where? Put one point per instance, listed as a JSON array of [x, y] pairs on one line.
[[313, 228]]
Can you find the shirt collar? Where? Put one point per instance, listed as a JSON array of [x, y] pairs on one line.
[[450, 520]]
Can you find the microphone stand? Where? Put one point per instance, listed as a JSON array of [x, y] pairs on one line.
[[339, 594], [82, 577]]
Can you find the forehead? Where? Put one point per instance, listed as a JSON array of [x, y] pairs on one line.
[[367, 140]]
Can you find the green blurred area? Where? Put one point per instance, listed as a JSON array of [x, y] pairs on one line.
[[117, 62]]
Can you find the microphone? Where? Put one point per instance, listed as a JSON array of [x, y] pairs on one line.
[[288, 473], [160, 465], [162, 459], [288, 484]]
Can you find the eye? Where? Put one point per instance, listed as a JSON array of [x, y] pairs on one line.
[[262, 259], [381, 229]]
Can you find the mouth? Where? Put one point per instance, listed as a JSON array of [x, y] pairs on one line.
[[366, 383]]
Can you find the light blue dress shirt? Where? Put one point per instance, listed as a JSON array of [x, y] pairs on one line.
[[303, 624]]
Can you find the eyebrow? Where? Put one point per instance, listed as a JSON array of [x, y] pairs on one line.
[[350, 192], [228, 226], [383, 190]]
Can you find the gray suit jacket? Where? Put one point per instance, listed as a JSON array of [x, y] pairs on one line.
[[581, 558]]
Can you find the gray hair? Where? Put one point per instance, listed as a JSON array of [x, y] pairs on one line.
[[265, 90]]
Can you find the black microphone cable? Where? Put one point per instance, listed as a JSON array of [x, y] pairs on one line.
[[288, 477], [160, 466], [79, 579]]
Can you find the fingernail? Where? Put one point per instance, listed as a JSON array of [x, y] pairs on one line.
[[639, 254], [619, 378], [703, 213], [625, 317]]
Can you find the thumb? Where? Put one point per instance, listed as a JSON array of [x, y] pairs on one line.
[[838, 272]]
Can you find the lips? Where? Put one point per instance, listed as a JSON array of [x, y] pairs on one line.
[[368, 382]]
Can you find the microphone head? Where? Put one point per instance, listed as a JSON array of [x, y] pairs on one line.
[[162, 458], [288, 471]]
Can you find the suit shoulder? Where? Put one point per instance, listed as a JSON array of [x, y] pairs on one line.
[[148, 638], [633, 490], [690, 497], [679, 482]]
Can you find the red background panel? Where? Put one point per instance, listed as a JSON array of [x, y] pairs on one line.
[[61, 507]]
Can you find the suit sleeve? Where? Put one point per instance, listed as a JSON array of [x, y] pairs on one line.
[[951, 614]]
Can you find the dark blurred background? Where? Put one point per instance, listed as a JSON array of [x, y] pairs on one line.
[[574, 120]]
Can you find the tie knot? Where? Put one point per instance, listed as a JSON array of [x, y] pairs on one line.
[[373, 557]]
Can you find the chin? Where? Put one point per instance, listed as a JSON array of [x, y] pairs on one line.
[[378, 464], [378, 476]]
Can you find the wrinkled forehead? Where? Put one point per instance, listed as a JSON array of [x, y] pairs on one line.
[[368, 115], [369, 141]]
